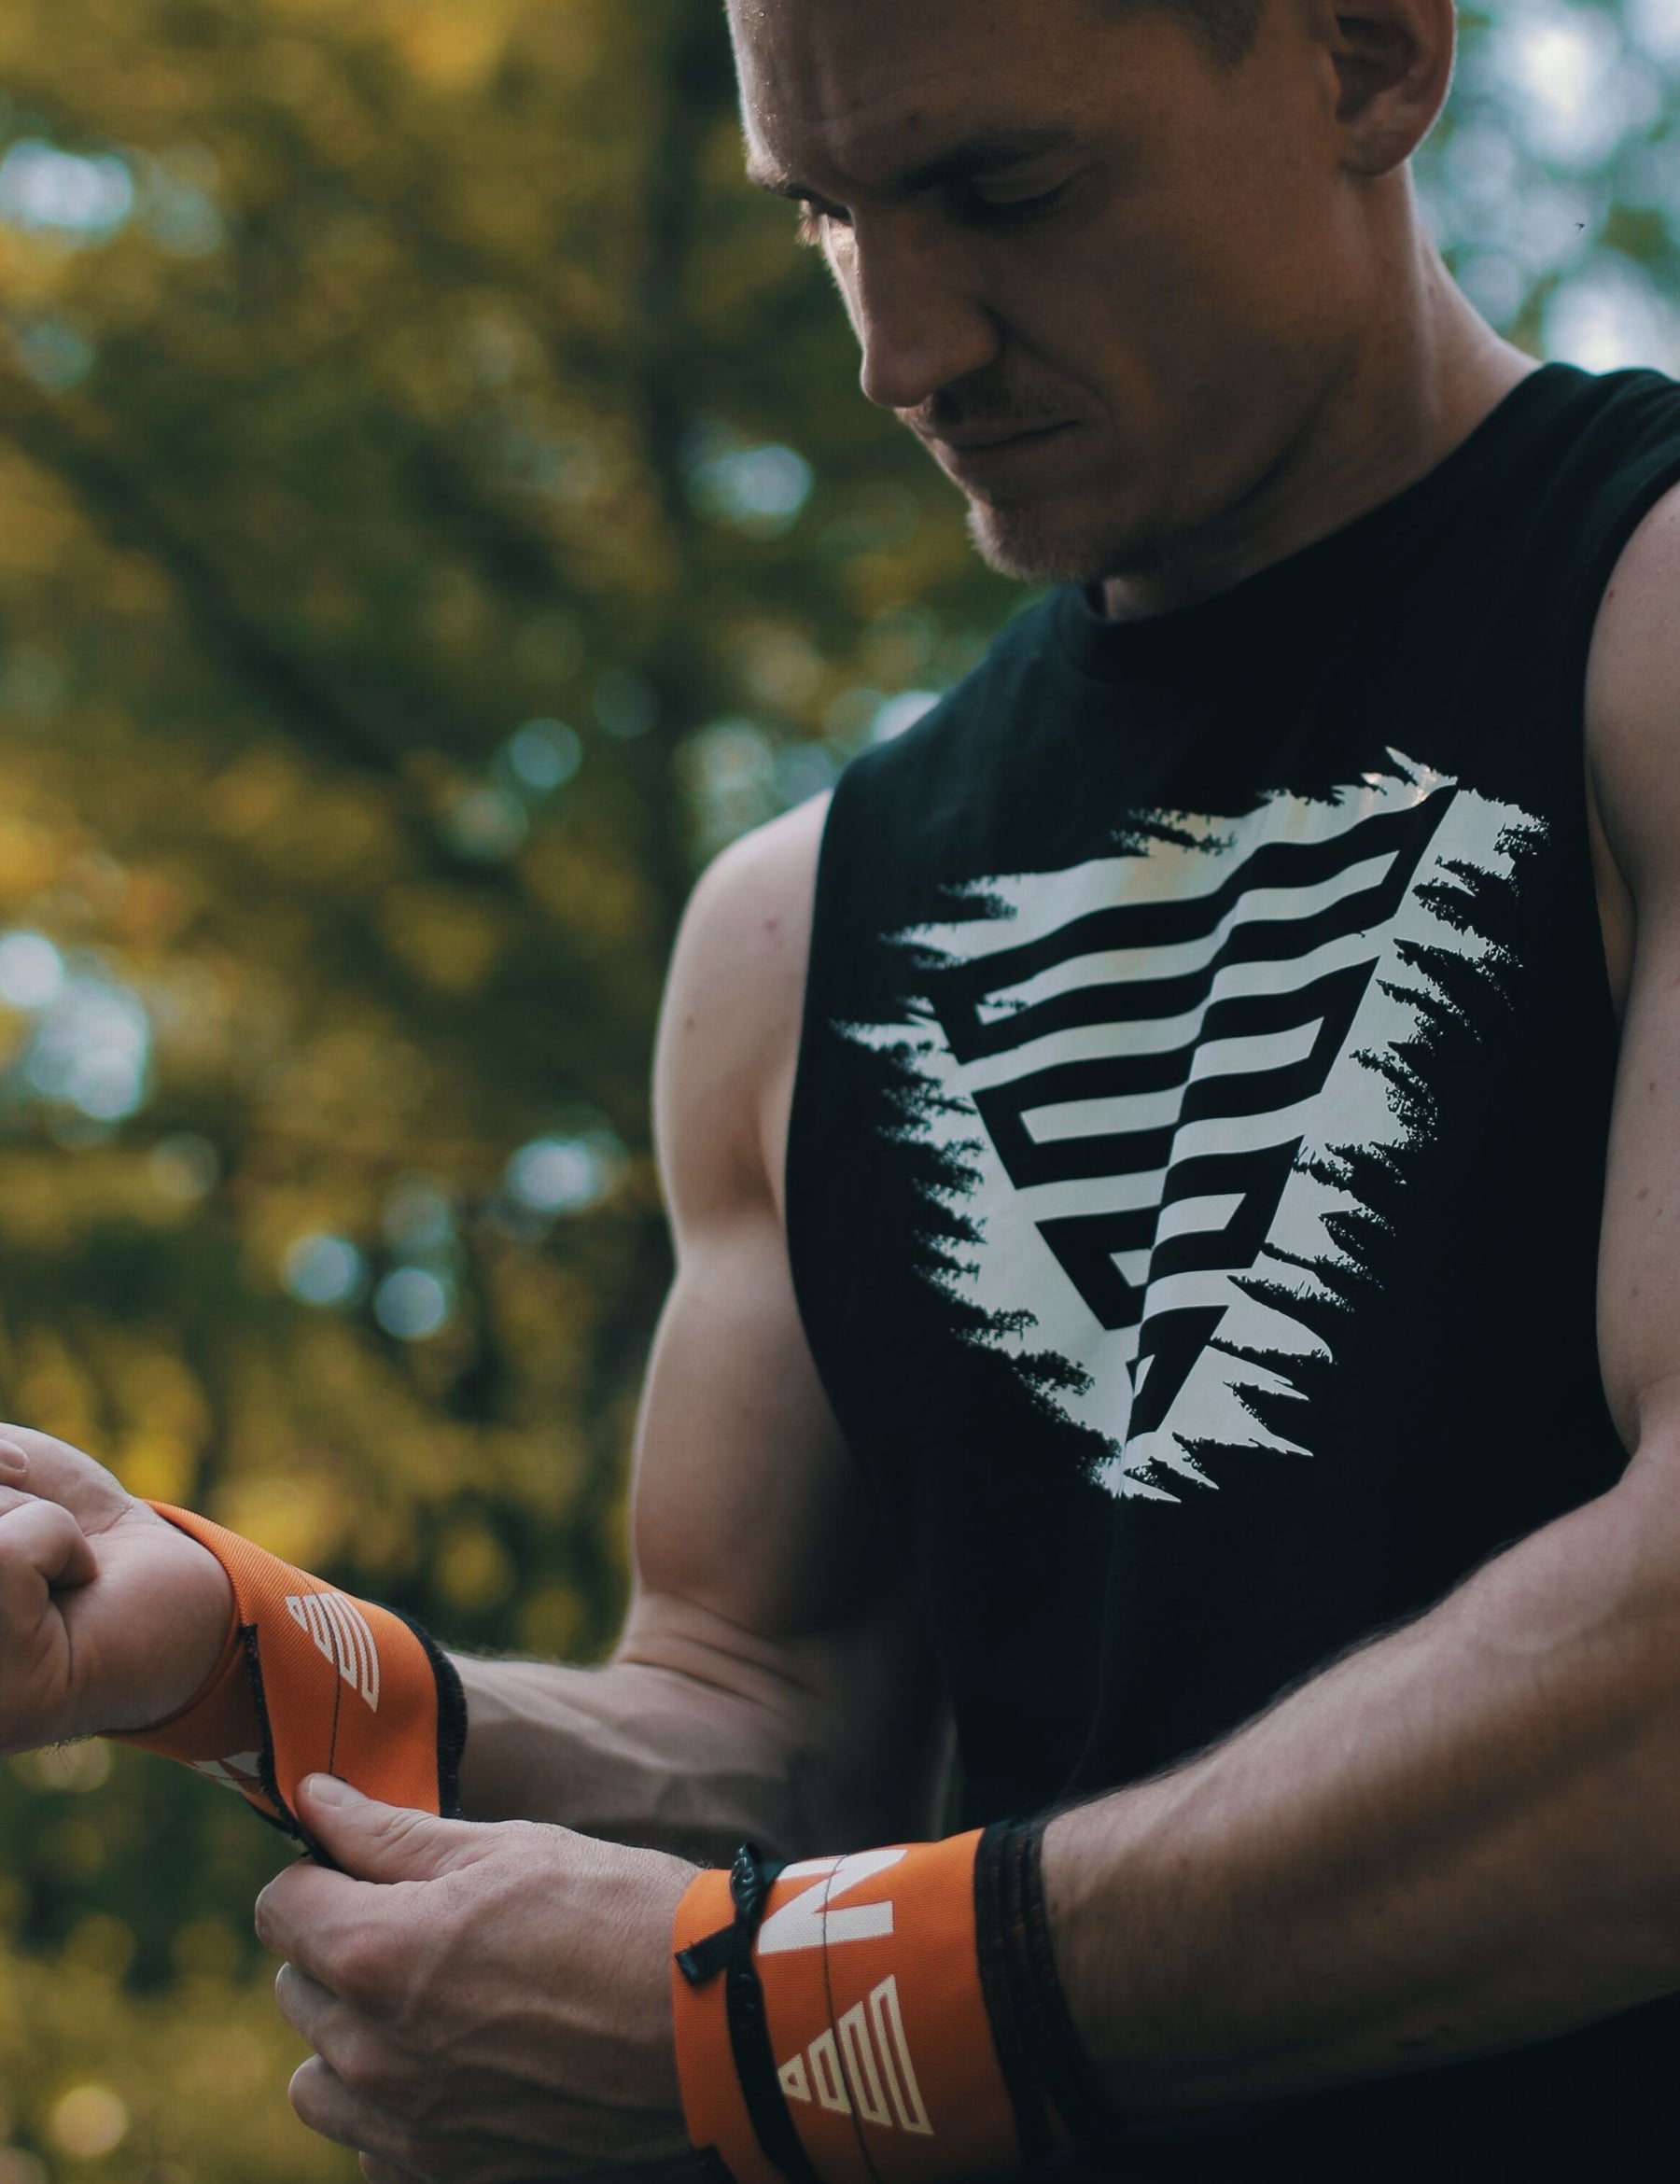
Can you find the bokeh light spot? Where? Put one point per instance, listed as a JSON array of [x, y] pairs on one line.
[[559, 1175], [414, 1304], [324, 1270], [81, 200], [760, 488], [89, 2122], [544, 755], [32, 971]]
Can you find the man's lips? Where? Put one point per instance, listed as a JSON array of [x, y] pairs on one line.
[[982, 442]]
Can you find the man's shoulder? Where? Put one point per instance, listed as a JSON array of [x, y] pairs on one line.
[[729, 1030], [750, 915], [1632, 719]]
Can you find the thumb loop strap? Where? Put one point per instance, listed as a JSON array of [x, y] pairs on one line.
[[311, 1681]]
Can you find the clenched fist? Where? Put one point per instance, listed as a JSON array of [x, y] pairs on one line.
[[111, 1619]]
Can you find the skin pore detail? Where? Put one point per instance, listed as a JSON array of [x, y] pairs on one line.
[[1161, 319]]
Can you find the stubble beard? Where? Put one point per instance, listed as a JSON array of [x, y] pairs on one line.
[[1036, 545]]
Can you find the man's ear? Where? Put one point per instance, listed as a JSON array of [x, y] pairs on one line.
[[1394, 65]]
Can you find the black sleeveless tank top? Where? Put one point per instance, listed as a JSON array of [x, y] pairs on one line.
[[1198, 1156]]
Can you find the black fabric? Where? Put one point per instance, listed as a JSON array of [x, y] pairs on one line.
[[729, 1953], [1007, 1982], [1198, 1159], [1038, 2047]]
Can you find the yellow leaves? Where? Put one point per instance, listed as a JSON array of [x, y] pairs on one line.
[[447, 938], [55, 1393], [189, 2082], [357, 1091], [99, 1942], [591, 888], [304, 829], [301, 1519], [205, 1949], [551, 1622], [451, 44], [472, 1567], [158, 1467], [30, 855]]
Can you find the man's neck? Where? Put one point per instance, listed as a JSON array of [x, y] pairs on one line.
[[1373, 435]]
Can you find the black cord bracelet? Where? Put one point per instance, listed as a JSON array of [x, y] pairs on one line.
[[729, 1951]]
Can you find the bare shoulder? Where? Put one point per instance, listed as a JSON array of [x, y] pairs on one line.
[[729, 1032], [1632, 713]]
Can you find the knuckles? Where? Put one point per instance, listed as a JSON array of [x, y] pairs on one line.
[[364, 1970], [375, 2071]]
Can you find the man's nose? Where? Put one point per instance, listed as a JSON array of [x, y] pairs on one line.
[[920, 324]]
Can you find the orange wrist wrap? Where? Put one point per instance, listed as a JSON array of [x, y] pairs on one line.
[[311, 1681], [880, 2040]]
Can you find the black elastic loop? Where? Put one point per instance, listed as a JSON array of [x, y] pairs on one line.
[[1041, 2052], [730, 1951]]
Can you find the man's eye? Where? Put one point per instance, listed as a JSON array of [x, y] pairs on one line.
[[1002, 210]]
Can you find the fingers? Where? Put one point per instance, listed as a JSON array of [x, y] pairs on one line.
[[14, 1461], [387, 1842], [42, 1544], [308, 2008], [321, 2099], [326, 1924]]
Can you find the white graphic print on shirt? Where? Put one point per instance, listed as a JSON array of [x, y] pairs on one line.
[[1147, 1065]]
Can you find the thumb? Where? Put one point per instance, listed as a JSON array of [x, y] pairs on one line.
[[371, 1841]]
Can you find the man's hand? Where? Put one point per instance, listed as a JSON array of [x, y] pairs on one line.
[[488, 2004], [111, 1619]]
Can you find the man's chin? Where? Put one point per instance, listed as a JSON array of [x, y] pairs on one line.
[[1037, 545]]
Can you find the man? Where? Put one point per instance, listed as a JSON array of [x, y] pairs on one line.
[[1221, 1033]]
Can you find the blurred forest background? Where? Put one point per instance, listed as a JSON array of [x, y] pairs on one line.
[[436, 514]]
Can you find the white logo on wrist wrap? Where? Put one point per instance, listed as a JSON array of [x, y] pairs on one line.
[[341, 1633], [867, 2068], [863, 2065]]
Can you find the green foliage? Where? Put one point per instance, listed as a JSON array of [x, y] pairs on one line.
[[438, 512], [432, 376]]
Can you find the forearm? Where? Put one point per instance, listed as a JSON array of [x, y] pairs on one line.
[[633, 1754], [1464, 1838], [689, 1743]]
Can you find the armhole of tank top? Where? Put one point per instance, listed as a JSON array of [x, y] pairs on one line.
[[795, 1161], [1585, 597]]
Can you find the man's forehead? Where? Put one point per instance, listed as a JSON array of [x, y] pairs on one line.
[[879, 86]]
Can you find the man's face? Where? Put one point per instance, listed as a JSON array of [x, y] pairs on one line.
[[1103, 280]]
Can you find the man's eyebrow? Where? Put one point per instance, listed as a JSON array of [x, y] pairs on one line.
[[988, 153]]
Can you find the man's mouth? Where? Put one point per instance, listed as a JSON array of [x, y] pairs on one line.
[[983, 441]]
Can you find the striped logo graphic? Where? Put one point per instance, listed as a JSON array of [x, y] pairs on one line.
[[1144, 1066], [863, 2066], [340, 1632]]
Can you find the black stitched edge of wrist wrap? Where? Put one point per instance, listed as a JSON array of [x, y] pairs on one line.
[[1038, 2047], [730, 1951]]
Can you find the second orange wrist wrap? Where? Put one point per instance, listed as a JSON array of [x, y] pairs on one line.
[[312, 1681], [835, 2027]]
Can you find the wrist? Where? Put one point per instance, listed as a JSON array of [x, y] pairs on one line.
[[311, 1681], [889, 2018], [215, 1624]]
